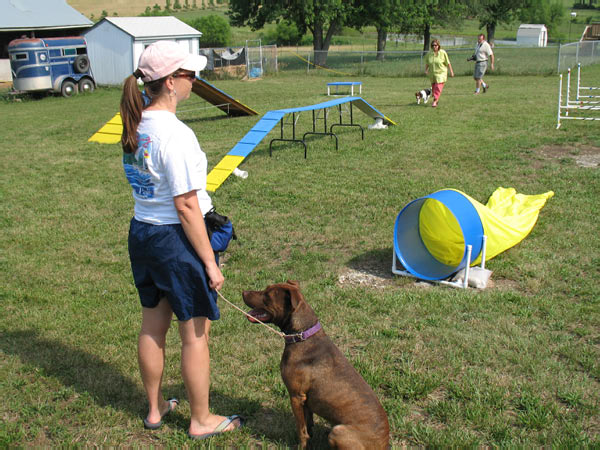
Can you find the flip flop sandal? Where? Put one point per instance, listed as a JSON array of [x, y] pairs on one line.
[[173, 402], [220, 428]]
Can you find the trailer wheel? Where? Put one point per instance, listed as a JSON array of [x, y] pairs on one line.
[[81, 64], [86, 85], [68, 89]]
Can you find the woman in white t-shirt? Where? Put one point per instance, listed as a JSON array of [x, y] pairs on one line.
[[174, 267]]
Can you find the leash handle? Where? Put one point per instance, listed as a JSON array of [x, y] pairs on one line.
[[280, 334]]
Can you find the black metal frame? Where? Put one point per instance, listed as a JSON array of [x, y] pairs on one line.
[[288, 140], [314, 128], [351, 124]]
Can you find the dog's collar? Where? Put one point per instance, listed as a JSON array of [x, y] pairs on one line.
[[299, 337]]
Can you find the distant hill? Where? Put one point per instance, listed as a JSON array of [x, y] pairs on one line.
[[123, 7]]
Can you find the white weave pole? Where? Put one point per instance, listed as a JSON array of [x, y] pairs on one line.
[[571, 105], [585, 88]]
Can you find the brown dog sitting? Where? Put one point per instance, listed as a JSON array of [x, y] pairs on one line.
[[317, 375]]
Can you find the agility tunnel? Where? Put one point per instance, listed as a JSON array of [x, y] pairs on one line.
[[432, 234]]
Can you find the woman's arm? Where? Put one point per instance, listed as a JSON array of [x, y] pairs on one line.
[[450, 68], [193, 225]]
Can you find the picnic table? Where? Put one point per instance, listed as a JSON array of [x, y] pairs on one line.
[[337, 85]]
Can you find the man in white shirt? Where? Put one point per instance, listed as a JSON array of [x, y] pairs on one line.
[[483, 53]]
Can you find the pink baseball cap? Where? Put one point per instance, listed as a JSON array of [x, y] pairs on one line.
[[163, 58]]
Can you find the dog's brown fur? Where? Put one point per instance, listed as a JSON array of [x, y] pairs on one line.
[[318, 376]]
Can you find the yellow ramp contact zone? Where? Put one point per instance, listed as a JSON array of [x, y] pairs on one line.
[[221, 171], [110, 133]]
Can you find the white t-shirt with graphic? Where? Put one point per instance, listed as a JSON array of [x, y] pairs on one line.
[[168, 162]]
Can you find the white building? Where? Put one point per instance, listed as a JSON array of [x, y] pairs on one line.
[[116, 43], [532, 35]]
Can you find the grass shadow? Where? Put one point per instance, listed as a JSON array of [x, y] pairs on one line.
[[203, 119], [108, 387], [377, 263], [84, 372]]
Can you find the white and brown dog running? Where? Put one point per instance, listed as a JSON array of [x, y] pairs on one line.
[[423, 95]]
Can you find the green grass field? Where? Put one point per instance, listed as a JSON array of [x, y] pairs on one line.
[[516, 364]]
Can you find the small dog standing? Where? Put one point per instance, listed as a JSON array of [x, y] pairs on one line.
[[317, 375], [423, 95]]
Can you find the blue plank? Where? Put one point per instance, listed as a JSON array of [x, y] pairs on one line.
[[241, 149], [273, 115], [328, 104], [265, 125], [253, 137]]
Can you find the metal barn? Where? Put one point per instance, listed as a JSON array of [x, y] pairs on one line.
[[116, 43], [36, 18]]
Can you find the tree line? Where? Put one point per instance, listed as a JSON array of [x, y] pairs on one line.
[[325, 18]]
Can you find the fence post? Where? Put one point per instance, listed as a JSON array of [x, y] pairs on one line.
[[308, 62], [577, 54], [558, 59]]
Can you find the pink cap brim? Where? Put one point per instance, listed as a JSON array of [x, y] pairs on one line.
[[195, 63]]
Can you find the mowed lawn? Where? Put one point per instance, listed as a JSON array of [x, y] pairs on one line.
[[514, 364]]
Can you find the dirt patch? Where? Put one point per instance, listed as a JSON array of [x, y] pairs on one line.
[[583, 155], [357, 277], [373, 270]]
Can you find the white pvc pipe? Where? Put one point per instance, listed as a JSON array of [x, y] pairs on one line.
[[467, 267], [483, 247], [559, 100]]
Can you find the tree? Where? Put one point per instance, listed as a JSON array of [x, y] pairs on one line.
[[491, 13], [420, 16], [215, 30], [323, 18], [548, 12], [384, 15]]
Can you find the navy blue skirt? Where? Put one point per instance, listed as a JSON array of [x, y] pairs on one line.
[[164, 264]]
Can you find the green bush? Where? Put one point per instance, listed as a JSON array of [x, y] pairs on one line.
[[215, 30], [285, 34]]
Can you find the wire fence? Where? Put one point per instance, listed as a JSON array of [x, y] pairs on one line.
[[584, 53], [509, 60]]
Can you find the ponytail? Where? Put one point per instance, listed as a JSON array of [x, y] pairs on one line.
[[132, 105], [131, 108]]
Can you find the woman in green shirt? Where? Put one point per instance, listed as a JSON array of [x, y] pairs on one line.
[[437, 65]]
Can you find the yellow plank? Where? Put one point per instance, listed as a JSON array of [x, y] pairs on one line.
[[105, 138], [111, 131], [229, 162], [218, 175], [221, 171], [112, 128], [116, 119]]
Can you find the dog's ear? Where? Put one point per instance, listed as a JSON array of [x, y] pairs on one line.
[[295, 295]]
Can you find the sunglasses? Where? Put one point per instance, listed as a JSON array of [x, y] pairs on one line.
[[189, 75], [434, 45]]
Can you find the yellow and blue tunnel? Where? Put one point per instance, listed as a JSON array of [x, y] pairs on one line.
[[432, 233]]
